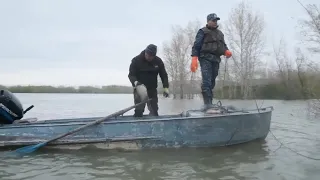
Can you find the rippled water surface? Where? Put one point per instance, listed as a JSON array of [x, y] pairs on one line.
[[291, 125]]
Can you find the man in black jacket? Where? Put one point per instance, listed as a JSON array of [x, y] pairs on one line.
[[144, 70]]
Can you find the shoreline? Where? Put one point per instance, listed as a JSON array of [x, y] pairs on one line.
[[160, 96]]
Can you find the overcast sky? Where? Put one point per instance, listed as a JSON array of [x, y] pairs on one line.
[[82, 42]]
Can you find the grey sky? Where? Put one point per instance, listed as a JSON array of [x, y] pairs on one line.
[[78, 42]]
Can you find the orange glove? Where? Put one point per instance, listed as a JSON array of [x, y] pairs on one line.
[[228, 53], [194, 64]]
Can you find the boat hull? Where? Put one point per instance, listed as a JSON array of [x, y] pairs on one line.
[[126, 132]]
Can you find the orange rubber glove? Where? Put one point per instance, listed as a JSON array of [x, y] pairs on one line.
[[228, 53], [194, 64]]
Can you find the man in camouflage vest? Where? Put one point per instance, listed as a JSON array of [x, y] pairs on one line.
[[209, 45]]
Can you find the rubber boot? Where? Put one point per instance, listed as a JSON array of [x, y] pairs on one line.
[[138, 114], [206, 101], [210, 105], [153, 113]]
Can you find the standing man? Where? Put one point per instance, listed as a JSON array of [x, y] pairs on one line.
[[209, 45], [144, 70]]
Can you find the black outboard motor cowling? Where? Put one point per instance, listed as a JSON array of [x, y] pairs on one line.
[[10, 107]]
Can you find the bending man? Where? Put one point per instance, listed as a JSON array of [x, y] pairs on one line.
[[144, 70], [208, 46]]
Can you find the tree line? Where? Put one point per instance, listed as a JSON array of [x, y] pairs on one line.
[[262, 88], [112, 89]]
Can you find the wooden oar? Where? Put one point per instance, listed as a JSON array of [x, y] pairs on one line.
[[32, 148]]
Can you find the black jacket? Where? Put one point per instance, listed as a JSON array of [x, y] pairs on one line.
[[147, 72]]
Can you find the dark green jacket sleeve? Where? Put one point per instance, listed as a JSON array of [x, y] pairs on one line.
[[132, 72], [163, 75]]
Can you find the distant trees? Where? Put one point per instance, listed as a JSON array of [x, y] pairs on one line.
[[310, 30], [177, 56], [244, 32], [273, 90], [113, 89], [296, 75]]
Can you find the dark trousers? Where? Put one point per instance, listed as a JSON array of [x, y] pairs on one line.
[[152, 105], [209, 71]]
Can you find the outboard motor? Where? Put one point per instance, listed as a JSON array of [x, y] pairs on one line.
[[10, 107]]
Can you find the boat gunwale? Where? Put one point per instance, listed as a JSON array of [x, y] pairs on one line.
[[46, 123], [78, 141]]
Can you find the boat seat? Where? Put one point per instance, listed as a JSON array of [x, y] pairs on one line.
[[25, 121], [212, 111]]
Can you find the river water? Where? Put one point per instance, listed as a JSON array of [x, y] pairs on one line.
[[291, 125]]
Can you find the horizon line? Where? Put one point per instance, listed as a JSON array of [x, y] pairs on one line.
[[64, 85]]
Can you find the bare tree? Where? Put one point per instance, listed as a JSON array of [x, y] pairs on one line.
[[302, 73], [298, 75], [283, 62], [245, 34], [311, 27], [177, 56], [290, 71], [309, 81]]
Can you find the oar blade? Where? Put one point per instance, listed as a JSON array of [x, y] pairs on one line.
[[29, 149]]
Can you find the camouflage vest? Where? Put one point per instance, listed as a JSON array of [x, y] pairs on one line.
[[213, 42]]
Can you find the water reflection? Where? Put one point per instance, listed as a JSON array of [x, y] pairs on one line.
[[204, 163]]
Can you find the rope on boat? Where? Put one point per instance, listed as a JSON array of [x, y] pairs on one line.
[[218, 105], [292, 150], [283, 145]]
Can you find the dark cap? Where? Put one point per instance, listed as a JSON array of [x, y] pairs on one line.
[[151, 49], [212, 17]]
